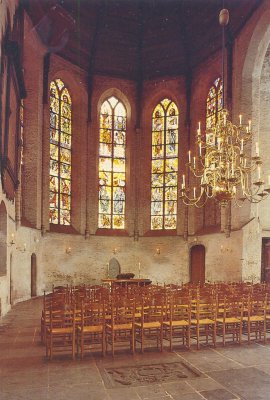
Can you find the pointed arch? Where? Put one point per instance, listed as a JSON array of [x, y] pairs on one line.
[[164, 171], [60, 153], [112, 164]]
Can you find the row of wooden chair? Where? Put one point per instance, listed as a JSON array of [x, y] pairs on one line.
[[134, 320]]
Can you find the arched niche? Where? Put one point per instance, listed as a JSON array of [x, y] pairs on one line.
[[197, 264], [114, 268], [3, 239]]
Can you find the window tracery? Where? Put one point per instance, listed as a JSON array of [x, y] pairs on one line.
[[164, 172], [60, 153], [112, 164]]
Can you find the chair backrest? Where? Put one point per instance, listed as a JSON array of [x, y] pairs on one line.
[[122, 312], [93, 314], [62, 318]]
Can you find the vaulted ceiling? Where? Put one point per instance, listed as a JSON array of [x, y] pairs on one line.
[[136, 39]]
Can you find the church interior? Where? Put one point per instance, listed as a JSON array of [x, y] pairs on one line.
[[134, 199]]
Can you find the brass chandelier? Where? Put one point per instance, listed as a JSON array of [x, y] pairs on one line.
[[222, 168]]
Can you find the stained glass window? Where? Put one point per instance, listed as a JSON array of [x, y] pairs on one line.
[[112, 165], [60, 153], [21, 130], [164, 166], [214, 103]]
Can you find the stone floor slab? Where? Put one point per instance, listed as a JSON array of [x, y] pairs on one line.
[[219, 394]]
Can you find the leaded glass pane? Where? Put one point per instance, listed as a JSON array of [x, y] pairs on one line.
[[112, 164], [164, 165], [156, 222], [170, 222], [214, 103], [157, 180], [60, 153], [118, 222]]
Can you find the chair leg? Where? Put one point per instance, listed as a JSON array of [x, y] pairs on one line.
[[73, 345], [82, 345], [188, 337], [103, 343]]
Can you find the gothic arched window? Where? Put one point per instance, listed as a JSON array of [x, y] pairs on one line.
[[60, 153], [112, 164], [164, 166], [214, 103]]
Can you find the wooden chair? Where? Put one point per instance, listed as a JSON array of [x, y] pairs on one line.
[[203, 320], [230, 319], [254, 319], [178, 325], [150, 326], [61, 332], [51, 301], [121, 327], [91, 330]]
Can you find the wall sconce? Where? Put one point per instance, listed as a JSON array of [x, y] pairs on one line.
[[224, 249], [114, 250], [68, 250], [158, 250], [12, 241], [22, 248]]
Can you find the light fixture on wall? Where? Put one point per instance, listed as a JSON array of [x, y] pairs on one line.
[[158, 250], [222, 168], [68, 250], [22, 248], [114, 250], [12, 241]]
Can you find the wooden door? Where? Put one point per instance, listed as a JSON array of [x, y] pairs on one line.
[[266, 260], [197, 264]]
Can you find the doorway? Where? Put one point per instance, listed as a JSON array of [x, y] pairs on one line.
[[197, 264], [265, 272]]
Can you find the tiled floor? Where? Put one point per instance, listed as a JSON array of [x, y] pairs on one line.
[[228, 373]]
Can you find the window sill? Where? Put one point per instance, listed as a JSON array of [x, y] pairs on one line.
[[63, 229], [161, 232], [111, 232]]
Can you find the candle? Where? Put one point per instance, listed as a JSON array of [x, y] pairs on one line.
[[240, 119], [189, 156], [200, 149], [194, 162], [257, 149], [224, 119], [184, 181], [249, 125], [268, 180], [139, 269], [199, 130], [107, 270], [259, 172], [194, 193], [242, 146]]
